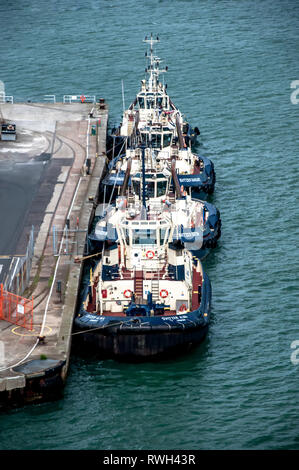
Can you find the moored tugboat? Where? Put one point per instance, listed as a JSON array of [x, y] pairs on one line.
[[148, 296], [196, 173], [153, 120], [161, 188], [151, 101]]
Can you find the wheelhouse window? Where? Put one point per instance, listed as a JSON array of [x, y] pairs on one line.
[[159, 101], [150, 101], [156, 140], [166, 140], [161, 187], [144, 237], [141, 102], [144, 138], [150, 189], [154, 188], [136, 186]]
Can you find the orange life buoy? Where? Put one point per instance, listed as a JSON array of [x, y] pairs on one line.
[[82, 98], [150, 254], [128, 293], [163, 293], [183, 308]]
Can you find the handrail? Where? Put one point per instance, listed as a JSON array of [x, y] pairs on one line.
[[5, 98], [51, 98], [78, 98]]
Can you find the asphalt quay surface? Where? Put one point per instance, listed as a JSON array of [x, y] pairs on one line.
[[60, 190], [30, 168]]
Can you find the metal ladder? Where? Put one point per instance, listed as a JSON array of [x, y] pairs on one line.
[[155, 290]]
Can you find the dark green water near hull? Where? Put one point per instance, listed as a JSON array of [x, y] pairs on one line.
[[230, 69]]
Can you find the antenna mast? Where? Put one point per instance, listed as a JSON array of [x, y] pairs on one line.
[[153, 68]]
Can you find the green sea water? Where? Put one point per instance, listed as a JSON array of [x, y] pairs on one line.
[[231, 64]]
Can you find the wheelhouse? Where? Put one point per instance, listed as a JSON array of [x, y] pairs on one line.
[[156, 185], [156, 137], [155, 100], [145, 233]]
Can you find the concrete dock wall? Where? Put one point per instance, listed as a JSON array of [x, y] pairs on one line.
[[85, 219]]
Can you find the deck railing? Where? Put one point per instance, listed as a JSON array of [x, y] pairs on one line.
[[5, 98]]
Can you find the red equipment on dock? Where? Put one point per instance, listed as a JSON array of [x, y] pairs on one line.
[[16, 309]]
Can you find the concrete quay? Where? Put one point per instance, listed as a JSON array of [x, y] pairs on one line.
[[66, 145]]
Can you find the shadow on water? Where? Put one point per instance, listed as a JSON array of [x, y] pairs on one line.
[[189, 354]]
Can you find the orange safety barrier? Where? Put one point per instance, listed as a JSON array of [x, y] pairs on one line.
[[16, 309]]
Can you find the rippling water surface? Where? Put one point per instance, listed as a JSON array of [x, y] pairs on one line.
[[230, 69]]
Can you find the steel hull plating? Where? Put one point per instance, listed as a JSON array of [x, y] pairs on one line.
[[140, 346], [141, 338]]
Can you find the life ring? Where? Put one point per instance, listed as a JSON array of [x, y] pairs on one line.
[[150, 254], [182, 308], [82, 98], [128, 293], [163, 293]]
